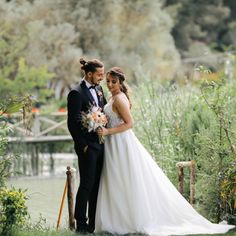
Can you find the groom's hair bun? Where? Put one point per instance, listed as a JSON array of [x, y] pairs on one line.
[[90, 66], [82, 61]]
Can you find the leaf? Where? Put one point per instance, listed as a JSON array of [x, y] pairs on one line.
[[2, 118], [14, 107]]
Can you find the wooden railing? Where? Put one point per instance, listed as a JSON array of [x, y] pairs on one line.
[[45, 128]]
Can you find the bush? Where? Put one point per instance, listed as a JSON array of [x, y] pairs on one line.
[[13, 209], [180, 123], [12, 202]]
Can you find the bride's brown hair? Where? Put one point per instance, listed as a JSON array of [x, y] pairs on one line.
[[117, 72]]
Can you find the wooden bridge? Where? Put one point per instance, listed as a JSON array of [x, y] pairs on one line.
[[45, 128], [50, 127]]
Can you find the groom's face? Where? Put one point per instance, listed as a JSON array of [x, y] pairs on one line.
[[97, 76]]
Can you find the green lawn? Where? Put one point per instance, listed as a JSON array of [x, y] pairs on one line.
[[70, 233]]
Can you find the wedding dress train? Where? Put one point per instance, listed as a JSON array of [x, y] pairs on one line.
[[135, 196]]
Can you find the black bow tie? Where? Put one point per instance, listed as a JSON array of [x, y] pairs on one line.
[[92, 87]]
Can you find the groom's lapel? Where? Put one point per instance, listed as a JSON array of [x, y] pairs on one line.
[[86, 92], [100, 96]]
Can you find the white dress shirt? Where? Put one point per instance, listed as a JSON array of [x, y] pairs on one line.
[[92, 91]]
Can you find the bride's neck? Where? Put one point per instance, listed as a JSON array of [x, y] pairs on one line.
[[116, 93]]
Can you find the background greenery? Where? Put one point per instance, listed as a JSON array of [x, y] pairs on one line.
[[182, 111], [144, 37], [193, 123]]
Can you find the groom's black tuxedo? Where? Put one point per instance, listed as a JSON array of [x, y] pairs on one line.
[[80, 100], [90, 162]]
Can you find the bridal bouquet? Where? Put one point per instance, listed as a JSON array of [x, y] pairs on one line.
[[94, 119]]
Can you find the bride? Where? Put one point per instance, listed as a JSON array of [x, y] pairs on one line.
[[135, 196]]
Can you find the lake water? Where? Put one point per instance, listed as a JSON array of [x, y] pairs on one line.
[[45, 196], [45, 193]]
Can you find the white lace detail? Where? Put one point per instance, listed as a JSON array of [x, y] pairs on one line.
[[113, 118]]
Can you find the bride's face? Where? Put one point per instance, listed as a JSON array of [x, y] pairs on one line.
[[113, 84]]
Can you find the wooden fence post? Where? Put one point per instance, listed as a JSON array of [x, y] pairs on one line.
[[70, 197], [181, 180], [191, 165], [192, 182]]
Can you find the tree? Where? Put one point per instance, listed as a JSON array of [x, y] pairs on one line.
[[132, 34], [227, 37], [48, 40], [199, 21], [16, 77]]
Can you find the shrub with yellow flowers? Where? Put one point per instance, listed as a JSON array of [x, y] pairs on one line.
[[13, 209]]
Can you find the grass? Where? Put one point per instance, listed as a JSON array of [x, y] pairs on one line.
[[71, 233]]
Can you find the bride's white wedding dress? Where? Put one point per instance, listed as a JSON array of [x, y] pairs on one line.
[[135, 196]]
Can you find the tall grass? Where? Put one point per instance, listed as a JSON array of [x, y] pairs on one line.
[[159, 113], [179, 123]]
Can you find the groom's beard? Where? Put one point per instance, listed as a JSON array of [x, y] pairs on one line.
[[96, 83]]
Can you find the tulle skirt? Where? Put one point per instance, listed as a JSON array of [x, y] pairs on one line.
[[135, 196]]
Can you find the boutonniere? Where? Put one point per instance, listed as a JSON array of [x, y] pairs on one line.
[[99, 93]]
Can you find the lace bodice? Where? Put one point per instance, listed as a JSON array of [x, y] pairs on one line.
[[113, 118]]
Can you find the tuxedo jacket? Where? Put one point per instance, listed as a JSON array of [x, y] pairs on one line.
[[80, 100]]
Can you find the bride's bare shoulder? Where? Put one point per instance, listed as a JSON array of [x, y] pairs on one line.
[[121, 99], [109, 99]]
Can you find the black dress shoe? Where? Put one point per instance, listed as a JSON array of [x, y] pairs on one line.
[[91, 229], [82, 228]]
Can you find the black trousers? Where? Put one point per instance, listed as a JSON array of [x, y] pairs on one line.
[[90, 167]]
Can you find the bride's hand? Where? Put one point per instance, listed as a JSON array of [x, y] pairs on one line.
[[102, 131]]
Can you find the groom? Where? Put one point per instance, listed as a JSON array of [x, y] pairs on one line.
[[87, 146]]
